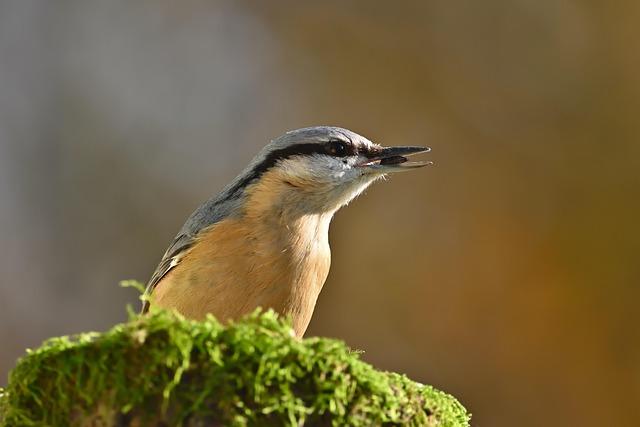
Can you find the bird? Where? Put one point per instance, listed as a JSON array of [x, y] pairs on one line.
[[263, 240]]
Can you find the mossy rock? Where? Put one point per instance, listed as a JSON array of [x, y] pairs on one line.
[[164, 370]]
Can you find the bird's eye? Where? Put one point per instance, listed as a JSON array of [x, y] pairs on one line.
[[338, 148]]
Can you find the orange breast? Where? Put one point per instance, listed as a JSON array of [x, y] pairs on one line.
[[238, 265]]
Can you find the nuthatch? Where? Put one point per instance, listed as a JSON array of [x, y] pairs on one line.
[[263, 241]]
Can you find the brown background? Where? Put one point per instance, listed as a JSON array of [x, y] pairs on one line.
[[508, 274]]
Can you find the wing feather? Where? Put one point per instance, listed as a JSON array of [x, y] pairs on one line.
[[171, 258]]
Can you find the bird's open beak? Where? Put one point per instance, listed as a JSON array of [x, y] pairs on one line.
[[394, 159]]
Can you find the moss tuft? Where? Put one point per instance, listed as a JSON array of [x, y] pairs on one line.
[[162, 369]]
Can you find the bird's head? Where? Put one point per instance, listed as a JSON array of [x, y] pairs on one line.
[[322, 168]]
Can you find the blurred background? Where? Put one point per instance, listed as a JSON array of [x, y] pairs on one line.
[[508, 274]]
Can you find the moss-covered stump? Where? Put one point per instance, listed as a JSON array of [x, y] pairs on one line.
[[164, 370]]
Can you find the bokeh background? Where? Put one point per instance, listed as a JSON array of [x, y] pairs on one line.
[[508, 274]]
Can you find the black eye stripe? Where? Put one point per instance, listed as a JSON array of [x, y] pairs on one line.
[[304, 149]]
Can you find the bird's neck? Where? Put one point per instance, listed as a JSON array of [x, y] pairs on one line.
[[284, 215], [291, 246], [277, 198]]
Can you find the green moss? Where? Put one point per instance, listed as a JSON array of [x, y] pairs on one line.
[[164, 369]]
